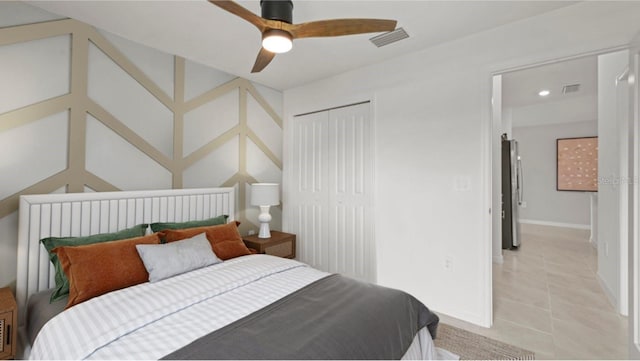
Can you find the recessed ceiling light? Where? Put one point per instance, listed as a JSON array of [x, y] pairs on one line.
[[544, 93]]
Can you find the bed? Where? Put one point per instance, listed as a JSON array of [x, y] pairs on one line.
[[247, 307]]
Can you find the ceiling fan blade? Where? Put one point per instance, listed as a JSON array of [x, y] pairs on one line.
[[339, 27], [242, 12], [263, 59]]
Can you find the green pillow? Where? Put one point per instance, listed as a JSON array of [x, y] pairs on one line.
[[62, 283], [157, 227]]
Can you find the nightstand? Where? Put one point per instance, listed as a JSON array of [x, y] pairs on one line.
[[280, 244], [8, 324]]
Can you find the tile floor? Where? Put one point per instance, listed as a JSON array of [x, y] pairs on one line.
[[547, 299]]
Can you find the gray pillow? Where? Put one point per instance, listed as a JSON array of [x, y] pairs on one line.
[[170, 259]]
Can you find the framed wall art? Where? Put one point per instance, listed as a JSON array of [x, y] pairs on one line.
[[577, 164]]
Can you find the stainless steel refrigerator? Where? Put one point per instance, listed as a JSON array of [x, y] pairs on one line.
[[511, 193]]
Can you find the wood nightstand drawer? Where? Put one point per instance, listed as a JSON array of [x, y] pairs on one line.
[[280, 244], [281, 250], [8, 324]]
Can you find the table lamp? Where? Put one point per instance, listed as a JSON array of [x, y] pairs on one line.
[[265, 195]]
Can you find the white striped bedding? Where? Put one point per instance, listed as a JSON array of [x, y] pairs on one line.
[[151, 320]]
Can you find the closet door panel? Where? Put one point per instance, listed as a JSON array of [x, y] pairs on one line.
[[350, 192], [309, 188], [311, 235], [331, 189], [350, 249]]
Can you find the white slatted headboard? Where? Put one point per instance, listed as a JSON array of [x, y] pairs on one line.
[[82, 214]]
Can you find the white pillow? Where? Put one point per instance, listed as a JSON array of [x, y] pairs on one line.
[[170, 259]]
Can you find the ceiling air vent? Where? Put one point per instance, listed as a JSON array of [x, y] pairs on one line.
[[570, 88], [390, 37]]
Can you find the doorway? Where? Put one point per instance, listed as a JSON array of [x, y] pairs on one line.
[[562, 271]]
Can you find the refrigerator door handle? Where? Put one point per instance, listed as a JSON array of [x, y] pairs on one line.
[[520, 182]]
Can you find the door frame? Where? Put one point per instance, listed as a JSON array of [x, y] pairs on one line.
[[489, 163], [634, 197]]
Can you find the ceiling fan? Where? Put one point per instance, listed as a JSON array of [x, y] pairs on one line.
[[278, 30]]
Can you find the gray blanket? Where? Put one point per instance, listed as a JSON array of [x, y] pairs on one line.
[[333, 318]]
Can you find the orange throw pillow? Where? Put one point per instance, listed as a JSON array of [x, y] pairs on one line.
[[225, 239], [173, 235], [99, 268]]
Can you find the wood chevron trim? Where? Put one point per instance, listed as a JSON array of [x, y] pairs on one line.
[[263, 147], [33, 112], [203, 151], [37, 31], [242, 180], [75, 176], [178, 119], [97, 184], [263, 103], [76, 156], [242, 118], [212, 94], [129, 135], [130, 68], [47, 185], [237, 179]]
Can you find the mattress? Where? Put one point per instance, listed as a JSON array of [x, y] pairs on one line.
[[152, 320]]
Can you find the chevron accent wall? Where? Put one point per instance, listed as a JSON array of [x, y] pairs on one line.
[[84, 110]]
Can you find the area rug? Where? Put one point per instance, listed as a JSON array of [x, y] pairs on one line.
[[471, 346]]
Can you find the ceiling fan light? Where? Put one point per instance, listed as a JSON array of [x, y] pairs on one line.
[[277, 41]]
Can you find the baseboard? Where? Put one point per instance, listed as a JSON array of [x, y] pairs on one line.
[[612, 299], [464, 317], [555, 224]]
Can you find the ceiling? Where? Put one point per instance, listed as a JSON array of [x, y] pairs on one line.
[[206, 34], [520, 93]]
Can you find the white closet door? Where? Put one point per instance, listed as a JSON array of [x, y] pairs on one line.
[[330, 192], [309, 188], [350, 191]]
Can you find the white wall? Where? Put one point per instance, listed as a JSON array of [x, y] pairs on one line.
[[433, 123], [545, 204], [567, 110], [125, 129], [610, 254]]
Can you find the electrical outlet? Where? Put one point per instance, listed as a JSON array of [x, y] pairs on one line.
[[251, 232], [523, 204]]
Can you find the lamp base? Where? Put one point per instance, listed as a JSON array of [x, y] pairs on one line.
[[264, 231], [264, 219]]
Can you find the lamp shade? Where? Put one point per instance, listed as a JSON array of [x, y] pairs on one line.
[[265, 194]]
